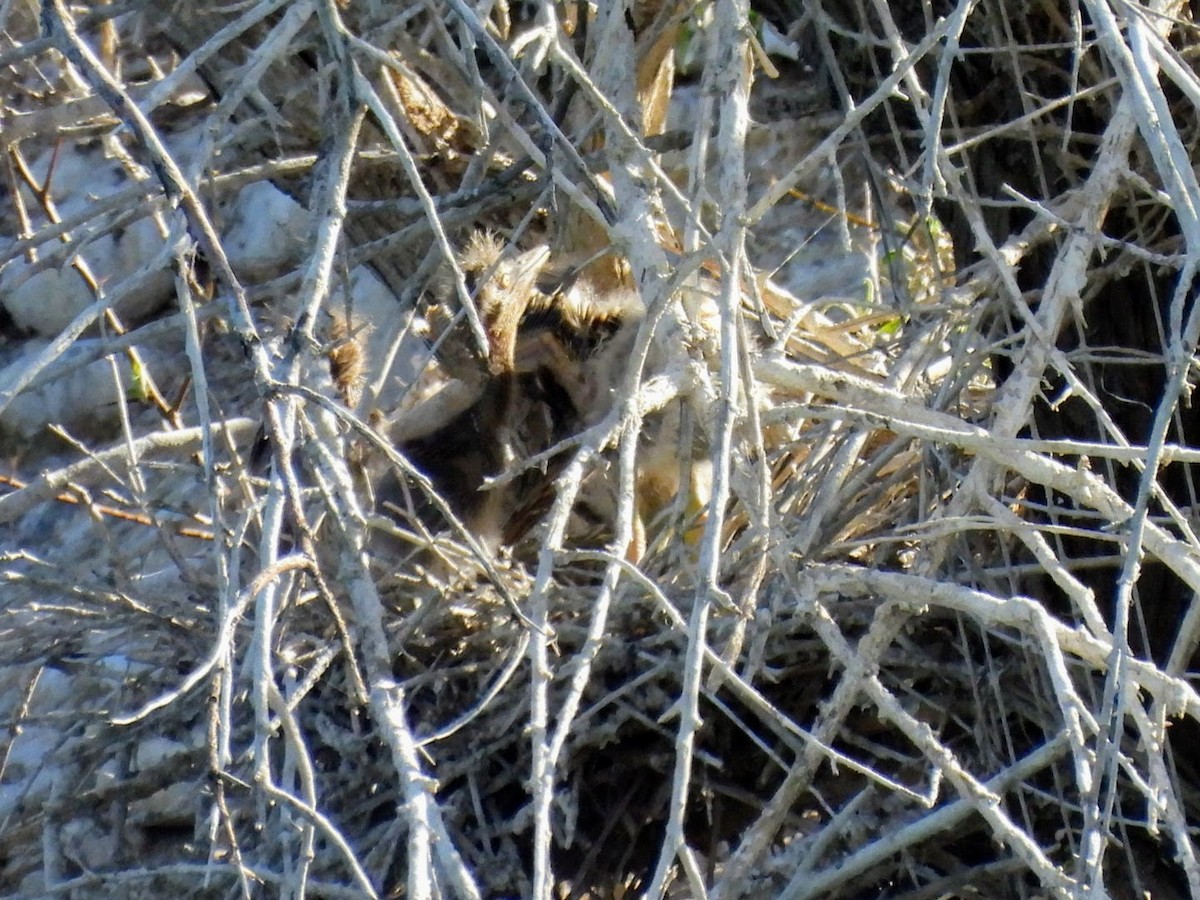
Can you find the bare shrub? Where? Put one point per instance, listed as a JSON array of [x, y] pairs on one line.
[[530, 449]]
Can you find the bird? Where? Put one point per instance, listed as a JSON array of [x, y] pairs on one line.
[[583, 339], [555, 349], [459, 430]]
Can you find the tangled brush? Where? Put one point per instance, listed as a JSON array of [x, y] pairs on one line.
[[594, 451]]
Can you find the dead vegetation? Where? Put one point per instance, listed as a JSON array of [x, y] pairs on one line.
[[532, 449]]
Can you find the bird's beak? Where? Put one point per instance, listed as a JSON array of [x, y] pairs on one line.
[[519, 285], [528, 266]]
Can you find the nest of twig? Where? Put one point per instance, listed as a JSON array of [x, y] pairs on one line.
[[546, 450]]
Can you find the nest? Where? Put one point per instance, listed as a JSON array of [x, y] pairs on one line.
[[539, 450]]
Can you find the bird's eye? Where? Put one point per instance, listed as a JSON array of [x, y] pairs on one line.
[[503, 281]]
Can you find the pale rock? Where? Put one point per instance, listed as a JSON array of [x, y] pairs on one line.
[[47, 301], [173, 806], [266, 232], [87, 845], [155, 750], [83, 401]]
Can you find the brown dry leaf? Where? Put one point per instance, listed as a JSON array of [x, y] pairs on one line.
[[430, 116]]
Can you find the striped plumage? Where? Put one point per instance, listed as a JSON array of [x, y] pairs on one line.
[[547, 376]]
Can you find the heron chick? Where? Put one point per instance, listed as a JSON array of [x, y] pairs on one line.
[[470, 445], [554, 362]]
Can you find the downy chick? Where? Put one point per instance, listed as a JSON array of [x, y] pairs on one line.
[[555, 364], [466, 447]]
